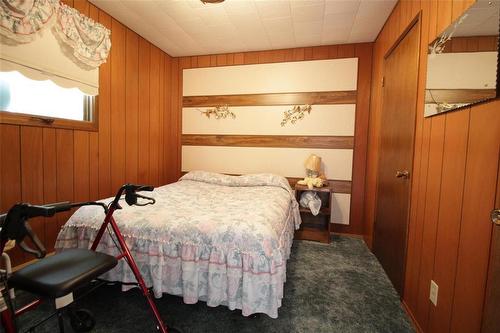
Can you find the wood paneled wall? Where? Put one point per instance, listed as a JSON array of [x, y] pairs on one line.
[[137, 130], [453, 186], [364, 53]]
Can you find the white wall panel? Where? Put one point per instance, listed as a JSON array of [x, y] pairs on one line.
[[288, 162], [302, 76], [341, 204], [265, 120]]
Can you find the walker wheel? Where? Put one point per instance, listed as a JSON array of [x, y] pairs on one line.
[[82, 320]]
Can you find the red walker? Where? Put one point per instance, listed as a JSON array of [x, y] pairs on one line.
[[14, 226]]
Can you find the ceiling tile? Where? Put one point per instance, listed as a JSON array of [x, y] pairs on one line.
[[308, 40], [246, 19], [336, 41], [189, 27], [305, 3], [240, 7], [338, 7], [191, 3], [193, 26], [250, 29], [273, 9], [281, 38], [337, 34], [308, 27], [248, 36], [278, 24], [339, 20], [308, 12], [378, 8], [212, 15], [178, 10]]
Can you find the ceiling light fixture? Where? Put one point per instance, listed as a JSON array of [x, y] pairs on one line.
[[211, 1]]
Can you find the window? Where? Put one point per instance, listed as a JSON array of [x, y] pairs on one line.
[[44, 103], [42, 58]]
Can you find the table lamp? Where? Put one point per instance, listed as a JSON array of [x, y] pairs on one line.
[[313, 166]]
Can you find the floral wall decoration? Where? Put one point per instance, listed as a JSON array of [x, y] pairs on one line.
[[440, 43], [296, 113], [219, 112], [22, 20]]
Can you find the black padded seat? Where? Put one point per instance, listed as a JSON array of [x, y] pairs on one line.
[[62, 273]]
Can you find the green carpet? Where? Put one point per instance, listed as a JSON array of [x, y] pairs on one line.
[[339, 287]]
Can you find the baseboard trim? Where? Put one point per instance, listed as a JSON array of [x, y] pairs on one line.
[[346, 234], [414, 321], [368, 241]]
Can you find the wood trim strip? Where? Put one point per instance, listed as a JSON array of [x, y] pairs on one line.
[[414, 321], [336, 186], [361, 130], [458, 95], [38, 121], [321, 97], [340, 186], [278, 141], [415, 20]]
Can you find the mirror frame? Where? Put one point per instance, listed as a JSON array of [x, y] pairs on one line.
[[479, 101]]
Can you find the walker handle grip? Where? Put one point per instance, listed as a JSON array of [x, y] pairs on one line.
[[31, 211], [147, 188], [60, 206], [129, 188]]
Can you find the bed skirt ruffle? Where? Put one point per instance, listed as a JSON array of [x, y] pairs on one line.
[[251, 282]]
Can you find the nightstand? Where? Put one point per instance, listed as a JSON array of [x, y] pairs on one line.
[[315, 228]]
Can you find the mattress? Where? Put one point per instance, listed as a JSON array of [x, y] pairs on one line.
[[210, 237]]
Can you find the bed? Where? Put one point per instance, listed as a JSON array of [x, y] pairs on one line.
[[210, 237]]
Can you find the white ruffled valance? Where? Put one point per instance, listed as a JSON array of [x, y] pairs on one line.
[[89, 40], [21, 20], [47, 40]]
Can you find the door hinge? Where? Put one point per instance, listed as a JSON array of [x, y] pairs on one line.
[[383, 81], [495, 216]]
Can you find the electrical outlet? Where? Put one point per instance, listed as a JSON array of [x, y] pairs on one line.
[[433, 295]]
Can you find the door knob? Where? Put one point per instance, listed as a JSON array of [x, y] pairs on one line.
[[495, 216], [405, 174]]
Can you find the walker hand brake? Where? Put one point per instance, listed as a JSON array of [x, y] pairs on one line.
[[150, 201], [17, 226], [131, 194]]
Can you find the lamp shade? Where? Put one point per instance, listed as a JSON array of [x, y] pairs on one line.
[[313, 163]]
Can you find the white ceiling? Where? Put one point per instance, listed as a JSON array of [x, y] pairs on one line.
[[189, 27]]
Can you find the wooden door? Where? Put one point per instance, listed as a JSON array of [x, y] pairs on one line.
[[396, 154], [491, 312]]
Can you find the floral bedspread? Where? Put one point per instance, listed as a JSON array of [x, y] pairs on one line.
[[210, 237]]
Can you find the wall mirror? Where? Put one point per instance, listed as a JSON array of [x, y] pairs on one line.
[[463, 62]]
